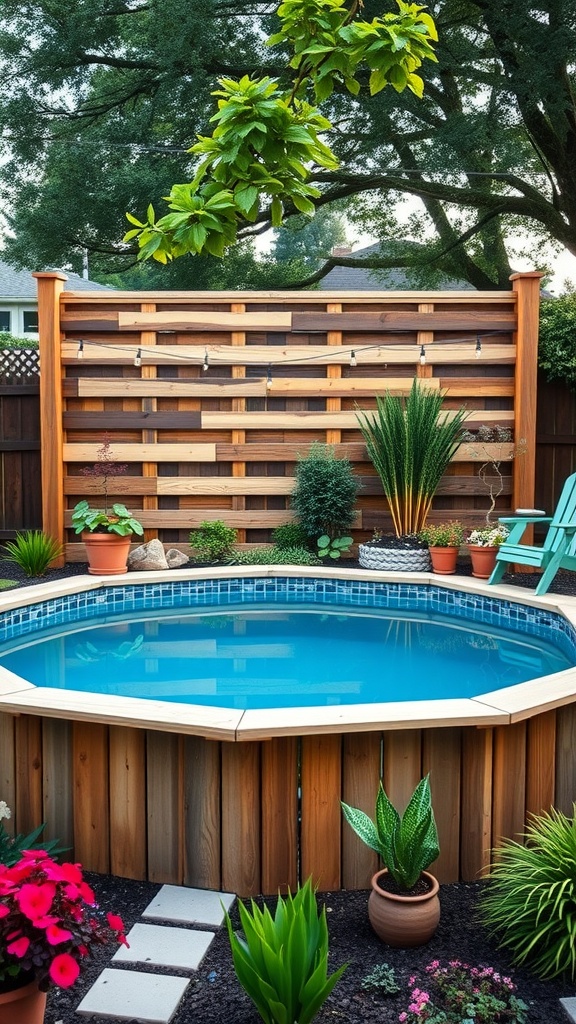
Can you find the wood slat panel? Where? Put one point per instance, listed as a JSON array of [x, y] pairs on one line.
[[57, 795], [28, 772], [290, 451], [357, 387], [163, 807], [441, 757], [127, 801], [541, 762], [329, 421], [140, 387], [321, 816], [476, 823], [225, 485], [8, 765], [202, 320], [402, 765], [91, 792], [279, 815], [360, 779], [202, 822], [191, 518], [405, 320], [85, 485], [241, 818], [143, 453], [565, 783], [509, 781], [125, 420], [285, 297]]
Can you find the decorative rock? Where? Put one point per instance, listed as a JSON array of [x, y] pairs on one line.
[[174, 557], [147, 556]]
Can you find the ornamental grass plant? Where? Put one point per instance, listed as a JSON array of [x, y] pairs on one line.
[[410, 444], [33, 551]]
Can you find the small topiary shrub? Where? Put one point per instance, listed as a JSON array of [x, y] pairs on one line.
[[324, 496], [290, 535], [213, 541]]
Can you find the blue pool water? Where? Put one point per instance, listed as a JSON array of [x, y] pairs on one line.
[[290, 652]]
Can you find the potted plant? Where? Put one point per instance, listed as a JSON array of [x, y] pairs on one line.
[[444, 543], [49, 922], [403, 907], [106, 531], [483, 544], [410, 443]]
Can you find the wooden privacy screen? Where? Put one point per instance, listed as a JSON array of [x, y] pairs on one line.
[[230, 388], [250, 817]]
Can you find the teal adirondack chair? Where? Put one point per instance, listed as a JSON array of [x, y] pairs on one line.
[[558, 550]]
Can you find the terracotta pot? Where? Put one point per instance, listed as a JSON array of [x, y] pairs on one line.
[[25, 1005], [483, 560], [404, 921], [107, 553], [444, 559]]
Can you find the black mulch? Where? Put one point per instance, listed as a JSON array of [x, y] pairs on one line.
[[214, 996]]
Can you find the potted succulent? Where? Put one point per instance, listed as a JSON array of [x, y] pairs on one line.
[[403, 907], [444, 542], [483, 544], [49, 922], [106, 531], [410, 443]]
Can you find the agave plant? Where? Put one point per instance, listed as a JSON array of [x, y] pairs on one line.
[[410, 444], [282, 961], [407, 845]]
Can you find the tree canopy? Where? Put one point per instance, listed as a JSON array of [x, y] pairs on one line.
[[102, 101]]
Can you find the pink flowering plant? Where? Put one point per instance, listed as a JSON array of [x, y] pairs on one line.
[[49, 921], [460, 994]]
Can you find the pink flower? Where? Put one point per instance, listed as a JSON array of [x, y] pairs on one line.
[[403, 1016], [115, 922], [19, 947], [4, 910], [36, 900], [64, 970], [55, 934]]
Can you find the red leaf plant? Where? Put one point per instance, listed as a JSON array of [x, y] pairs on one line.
[[49, 921]]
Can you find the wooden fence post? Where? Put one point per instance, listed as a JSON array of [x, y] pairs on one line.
[[527, 288], [50, 286]]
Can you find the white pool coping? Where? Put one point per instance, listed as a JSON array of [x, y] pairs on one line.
[[498, 707]]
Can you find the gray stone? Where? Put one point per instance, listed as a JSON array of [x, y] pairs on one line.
[[147, 556], [174, 557], [134, 995], [162, 946], [569, 1007], [189, 906]]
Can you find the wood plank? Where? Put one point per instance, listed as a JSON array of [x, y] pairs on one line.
[[441, 758], [458, 354], [28, 808], [91, 789], [321, 822], [509, 781], [287, 296], [202, 822], [290, 451], [123, 485], [405, 320], [8, 765], [565, 782], [50, 287], [190, 518], [541, 763], [329, 421], [360, 779], [127, 802], [57, 787], [203, 320], [402, 765], [125, 420], [527, 288], [139, 387], [225, 485], [279, 815], [163, 807], [476, 824], [357, 387], [241, 818], [380, 519], [143, 452]]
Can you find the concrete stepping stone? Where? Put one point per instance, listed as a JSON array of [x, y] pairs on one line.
[[569, 1007], [134, 996], [189, 906], [181, 948]]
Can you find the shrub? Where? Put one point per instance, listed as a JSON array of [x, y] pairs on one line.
[[381, 980], [530, 904], [33, 551], [460, 994], [290, 535], [282, 961], [557, 339], [274, 556], [325, 492], [444, 535], [8, 340], [213, 541]]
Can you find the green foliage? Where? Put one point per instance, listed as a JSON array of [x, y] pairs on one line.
[[11, 847], [444, 535], [306, 242], [33, 551], [8, 340], [213, 541], [118, 520], [411, 443], [381, 980], [282, 961], [530, 903], [328, 548], [325, 492], [290, 535], [274, 556], [407, 845], [557, 339], [6, 584]]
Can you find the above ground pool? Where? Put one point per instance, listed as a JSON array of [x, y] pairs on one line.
[[285, 642]]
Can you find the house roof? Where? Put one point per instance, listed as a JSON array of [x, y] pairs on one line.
[[357, 279], [19, 284]]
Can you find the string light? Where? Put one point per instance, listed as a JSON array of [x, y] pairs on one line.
[[478, 347], [80, 352], [422, 355], [138, 358], [269, 376], [353, 358], [205, 364]]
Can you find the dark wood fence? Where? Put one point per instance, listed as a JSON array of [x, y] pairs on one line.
[[555, 440], [20, 470]]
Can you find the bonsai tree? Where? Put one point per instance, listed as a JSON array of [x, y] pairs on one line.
[[324, 498], [410, 444]]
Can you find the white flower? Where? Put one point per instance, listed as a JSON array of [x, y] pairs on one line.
[[489, 536], [5, 811]]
